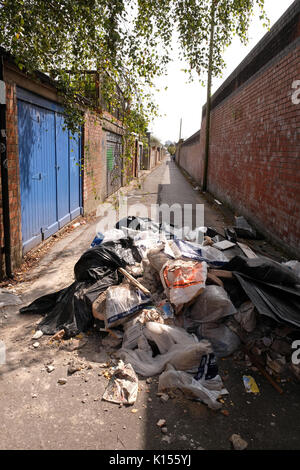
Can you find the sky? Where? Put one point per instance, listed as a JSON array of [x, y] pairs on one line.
[[184, 100]]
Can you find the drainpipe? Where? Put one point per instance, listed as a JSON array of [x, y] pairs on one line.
[[4, 173], [208, 101]]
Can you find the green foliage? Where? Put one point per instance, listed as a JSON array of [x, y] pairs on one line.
[[127, 43], [171, 149]]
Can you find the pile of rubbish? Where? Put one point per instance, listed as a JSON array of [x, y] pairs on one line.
[[176, 305]]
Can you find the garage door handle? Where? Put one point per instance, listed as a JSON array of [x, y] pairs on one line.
[[38, 176]]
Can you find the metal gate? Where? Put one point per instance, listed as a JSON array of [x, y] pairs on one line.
[[49, 159], [113, 162]]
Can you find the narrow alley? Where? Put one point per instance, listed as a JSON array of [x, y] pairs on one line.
[[45, 405]]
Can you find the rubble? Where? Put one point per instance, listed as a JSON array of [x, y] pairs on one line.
[[238, 443], [171, 307]]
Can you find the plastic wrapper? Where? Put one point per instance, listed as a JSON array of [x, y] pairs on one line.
[[97, 240], [224, 341], [99, 307], [122, 302], [294, 265], [134, 327], [210, 255], [70, 308], [177, 347], [166, 311], [246, 316], [182, 280], [123, 385], [113, 235], [212, 305], [182, 356], [205, 389], [166, 336], [147, 240]]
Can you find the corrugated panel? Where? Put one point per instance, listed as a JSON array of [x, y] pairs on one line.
[[114, 163], [75, 180], [49, 170]]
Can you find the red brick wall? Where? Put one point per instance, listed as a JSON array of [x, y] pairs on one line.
[[189, 157], [13, 179], [94, 150], [94, 163], [254, 159], [254, 162]]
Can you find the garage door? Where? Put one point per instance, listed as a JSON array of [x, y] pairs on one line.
[[49, 157], [113, 162]]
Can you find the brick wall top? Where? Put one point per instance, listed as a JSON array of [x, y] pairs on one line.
[[284, 32]]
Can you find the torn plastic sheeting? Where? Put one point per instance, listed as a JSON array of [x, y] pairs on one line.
[[243, 229], [210, 255], [134, 328], [282, 304], [122, 302], [206, 388], [138, 223], [182, 356], [70, 308], [123, 386], [263, 269], [101, 260], [224, 341], [246, 316], [182, 280], [146, 241], [113, 235], [166, 336], [212, 305], [294, 265]]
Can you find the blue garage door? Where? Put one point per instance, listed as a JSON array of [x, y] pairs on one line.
[[49, 169]]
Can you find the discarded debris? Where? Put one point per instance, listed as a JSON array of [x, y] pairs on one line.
[[238, 443], [38, 334], [224, 245], [161, 423], [250, 384], [171, 301], [62, 381], [123, 385]]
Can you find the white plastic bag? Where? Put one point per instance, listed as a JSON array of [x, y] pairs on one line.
[[207, 391], [122, 302], [113, 235], [182, 356], [177, 347], [165, 336], [224, 341]]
